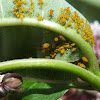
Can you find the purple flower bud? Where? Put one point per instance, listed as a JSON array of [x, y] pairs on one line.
[[12, 83]]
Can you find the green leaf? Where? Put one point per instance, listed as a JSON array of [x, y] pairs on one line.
[[20, 36], [47, 75], [8, 19], [33, 90], [69, 57]]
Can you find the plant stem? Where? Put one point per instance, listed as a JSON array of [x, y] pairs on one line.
[[85, 75]]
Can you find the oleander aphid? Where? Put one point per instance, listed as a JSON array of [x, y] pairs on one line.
[[66, 18]]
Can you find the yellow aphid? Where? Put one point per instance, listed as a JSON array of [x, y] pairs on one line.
[[63, 20], [17, 13], [47, 57], [70, 22], [66, 25], [51, 12], [82, 20], [53, 55], [16, 9], [32, 4], [22, 9], [22, 15], [62, 47], [39, 17], [17, 16], [24, 1], [46, 45], [62, 51], [67, 16], [93, 45], [67, 46], [30, 14], [61, 15], [41, 5], [49, 17], [56, 39], [75, 13], [84, 59], [83, 33], [76, 25], [62, 9], [19, 3], [14, 12], [78, 30], [62, 38], [41, 1], [73, 44], [81, 65], [31, 1], [68, 10]]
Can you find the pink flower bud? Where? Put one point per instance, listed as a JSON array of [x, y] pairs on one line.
[[12, 83]]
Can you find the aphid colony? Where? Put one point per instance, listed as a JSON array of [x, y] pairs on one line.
[[67, 19], [20, 11], [61, 45]]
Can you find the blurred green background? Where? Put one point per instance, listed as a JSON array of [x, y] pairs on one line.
[[89, 8]]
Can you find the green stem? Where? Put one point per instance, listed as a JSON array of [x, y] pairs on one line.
[[67, 32], [85, 75]]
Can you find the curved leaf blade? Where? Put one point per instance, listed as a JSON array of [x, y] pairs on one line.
[[33, 90]]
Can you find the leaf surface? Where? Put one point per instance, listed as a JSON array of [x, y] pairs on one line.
[[33, 90]]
